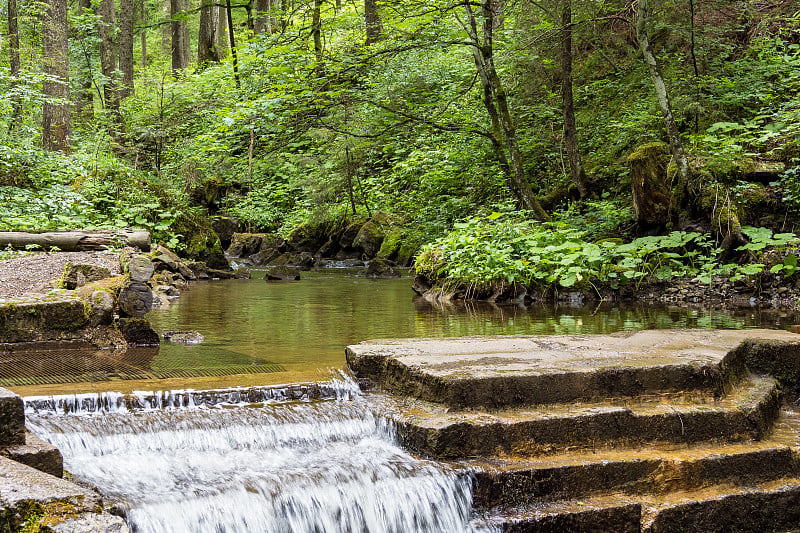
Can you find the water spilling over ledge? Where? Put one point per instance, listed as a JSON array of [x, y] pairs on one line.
[[300, 458]]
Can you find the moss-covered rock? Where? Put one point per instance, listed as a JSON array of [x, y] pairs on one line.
[[202, 244], [391, 243], [371, 235], [245, 244], [652, 197]]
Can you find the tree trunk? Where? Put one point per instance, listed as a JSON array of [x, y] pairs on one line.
[[56, 127], [570, 131], [373, 21], [233, 43], [143, 32], [13, 51], [179, 55], [262, 21], [84, 100], [187, 37], [126, 47], [108, 59], [495, 101], [207, 49], [222, 32], [316, 31], [75, 241], [166, 29], [675, 144]]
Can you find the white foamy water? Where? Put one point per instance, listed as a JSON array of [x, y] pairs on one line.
[[208, 462]]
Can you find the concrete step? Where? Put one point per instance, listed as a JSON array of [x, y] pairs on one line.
[[12, 419], [500, 372], [434, 430], [37, 454], [500, 482], [771, 506]]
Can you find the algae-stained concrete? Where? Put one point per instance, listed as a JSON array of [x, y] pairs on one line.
[[497, 372]]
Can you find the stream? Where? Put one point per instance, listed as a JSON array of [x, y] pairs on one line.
[[294, 458]]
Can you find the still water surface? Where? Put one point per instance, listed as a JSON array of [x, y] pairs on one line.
[[304, 326]]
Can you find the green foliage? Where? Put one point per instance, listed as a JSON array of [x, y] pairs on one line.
[[495, 250]]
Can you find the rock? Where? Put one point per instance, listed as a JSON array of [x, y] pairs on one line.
[[371, 235], [78, 275], [225, 227], [348, 236], [307, 238], [272, 246], [91, 523], [391, 244], [184, 337], [102, 303], [189, 274], [135, 299], [138, 332], [381, 268], [140, 268], [37, 454], [244, 244], [165, 259], [198, 270], [242, 273], [12, 418], [213, 273], [282, 273]]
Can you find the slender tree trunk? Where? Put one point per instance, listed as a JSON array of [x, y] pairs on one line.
[[179, 54], [186, 37], [316, 30], [675, 143], [496, 103], [108, 59], [142, 32], [233, 43], [248, 8], [570, 131], [126, 47], [166, 29], [56, 127], [373, 21], [207, 38], [84, 100], [13, 51]]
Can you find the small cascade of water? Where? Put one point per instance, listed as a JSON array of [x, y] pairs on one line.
[[110, 402], [188, 461]]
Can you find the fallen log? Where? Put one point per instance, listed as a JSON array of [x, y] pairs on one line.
[[76, 241]]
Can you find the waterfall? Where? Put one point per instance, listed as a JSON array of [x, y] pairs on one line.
[[316, 461]]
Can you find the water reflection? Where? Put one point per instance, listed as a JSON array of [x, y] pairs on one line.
[[307, 324]]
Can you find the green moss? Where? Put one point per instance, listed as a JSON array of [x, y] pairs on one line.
[[391, 243]]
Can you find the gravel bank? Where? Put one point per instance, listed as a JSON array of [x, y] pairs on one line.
[[38, 272]]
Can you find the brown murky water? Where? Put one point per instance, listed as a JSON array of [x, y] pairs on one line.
[[259, 332]]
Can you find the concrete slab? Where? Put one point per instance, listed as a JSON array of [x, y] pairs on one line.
[[494, 372]]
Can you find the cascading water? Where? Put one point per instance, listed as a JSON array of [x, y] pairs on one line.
[[315, 461]]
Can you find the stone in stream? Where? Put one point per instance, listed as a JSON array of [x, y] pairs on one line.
[[184, 337], [135, 299], [282, 273], [380, 269]]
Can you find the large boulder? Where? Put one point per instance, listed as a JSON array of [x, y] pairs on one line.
[[282, 273], [307, 237], [272, 246], [370, 237], [225, 227], [381, 268], [244, 244], [202, 244]]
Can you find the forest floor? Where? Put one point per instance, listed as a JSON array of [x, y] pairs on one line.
[[39, 272]]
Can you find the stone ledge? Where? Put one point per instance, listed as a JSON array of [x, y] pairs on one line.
[[37, 454], [12, 419], [497, 372]]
